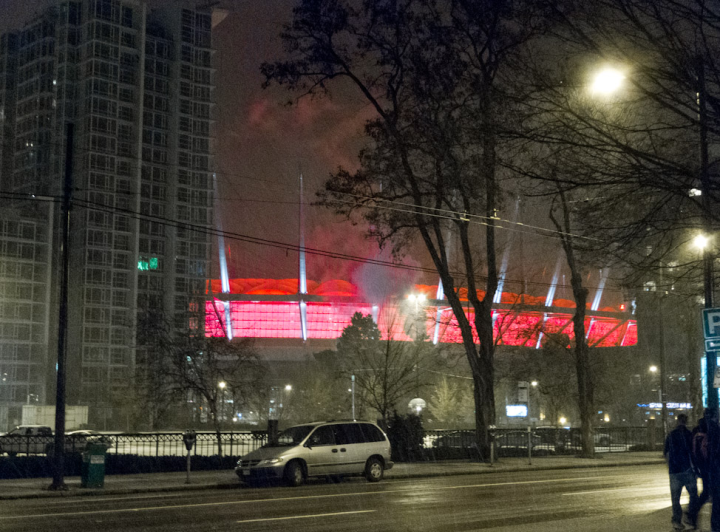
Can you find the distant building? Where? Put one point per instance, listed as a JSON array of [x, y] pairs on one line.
[[138, 87], [26, 331]]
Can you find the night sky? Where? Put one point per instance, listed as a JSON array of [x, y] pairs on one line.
[[263, 143]]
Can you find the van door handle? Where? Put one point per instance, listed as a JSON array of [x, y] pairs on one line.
[[334, 450], [342, 449]]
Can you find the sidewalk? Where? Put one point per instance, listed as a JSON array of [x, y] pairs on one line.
[[160, 482]]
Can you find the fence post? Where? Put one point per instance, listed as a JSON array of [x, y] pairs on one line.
[[529, 445], [157, 445]]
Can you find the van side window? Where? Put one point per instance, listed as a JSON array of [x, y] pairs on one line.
[[353, 433], [372, 433], [323, 436]]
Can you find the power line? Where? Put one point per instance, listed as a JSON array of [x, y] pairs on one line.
[[209, 230]]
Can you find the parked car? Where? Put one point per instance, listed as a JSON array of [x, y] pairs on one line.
[[28, 439], [602, 439], [517, 441], [320, 449], [561, 439], [77, 440], [458, 439]]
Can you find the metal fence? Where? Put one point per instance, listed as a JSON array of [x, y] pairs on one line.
[[140, 444], [171, 443], [508, 441], [545, 440]]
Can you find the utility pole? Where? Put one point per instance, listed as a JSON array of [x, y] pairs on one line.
[[58, 482], [707, 224]]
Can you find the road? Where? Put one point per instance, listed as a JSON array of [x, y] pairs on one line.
[[576, 499]]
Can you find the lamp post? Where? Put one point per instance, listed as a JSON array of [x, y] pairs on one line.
[[702, 242], [534, 385], [221, 410]]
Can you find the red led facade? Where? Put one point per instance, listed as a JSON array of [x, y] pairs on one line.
[[338, 301]]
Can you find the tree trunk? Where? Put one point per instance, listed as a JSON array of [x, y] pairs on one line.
[[582, 358], [582, 365]]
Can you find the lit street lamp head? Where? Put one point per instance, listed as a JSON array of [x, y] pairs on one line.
[[607, 81], [700, 241]]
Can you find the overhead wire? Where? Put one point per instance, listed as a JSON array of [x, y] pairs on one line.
[[210, 230]]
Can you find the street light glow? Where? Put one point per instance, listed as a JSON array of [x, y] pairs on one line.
[[534, 383], [222, 385], [607, 81], [700, 241], [288, 387], [653, 369]]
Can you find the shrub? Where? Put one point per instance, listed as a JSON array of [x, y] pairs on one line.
[[406, 437]]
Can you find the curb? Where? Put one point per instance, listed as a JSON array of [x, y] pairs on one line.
[[74, 491]]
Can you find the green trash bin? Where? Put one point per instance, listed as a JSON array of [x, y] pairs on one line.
[[92, 472]]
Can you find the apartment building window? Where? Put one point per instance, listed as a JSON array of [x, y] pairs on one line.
[[104, 144], [118, 356], [98, 238], [124, 168], [97, 296], [126, 113], [121, 261], [98, 257], [99, 219], [122, 243], [122, 223], [127, 39], [97, 315], [127, 17], [105, 10], [126, 95], [97, 276]]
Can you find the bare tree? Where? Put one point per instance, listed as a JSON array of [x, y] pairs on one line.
[[385, 371], [204, 367], [432, 71]]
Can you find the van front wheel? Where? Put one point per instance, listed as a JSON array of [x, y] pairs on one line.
[[294, 473], [374, 470]]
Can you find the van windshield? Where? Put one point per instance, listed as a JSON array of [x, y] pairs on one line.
[[293, 436]]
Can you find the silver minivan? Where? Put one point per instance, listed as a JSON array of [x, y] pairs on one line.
[[320, 449]]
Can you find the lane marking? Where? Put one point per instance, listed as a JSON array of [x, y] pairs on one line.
[[634, 490], [305, 516], [296, 498]]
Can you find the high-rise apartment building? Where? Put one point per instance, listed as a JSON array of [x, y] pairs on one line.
[[137, 86]]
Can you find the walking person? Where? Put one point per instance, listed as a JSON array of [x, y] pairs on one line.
[[713, 466], [678, 453], [701, 464]]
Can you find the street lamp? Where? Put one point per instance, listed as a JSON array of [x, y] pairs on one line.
[[702, 242], [607, 81], [221, 413], [534, 384]]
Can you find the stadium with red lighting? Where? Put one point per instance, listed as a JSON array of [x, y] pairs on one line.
[[276, 309]]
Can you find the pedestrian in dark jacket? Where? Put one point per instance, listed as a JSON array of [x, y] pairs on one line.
[[678, 453], [701, 464], [713, 467]]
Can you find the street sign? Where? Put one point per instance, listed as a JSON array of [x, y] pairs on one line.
[[712, 345], [711, 323]]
